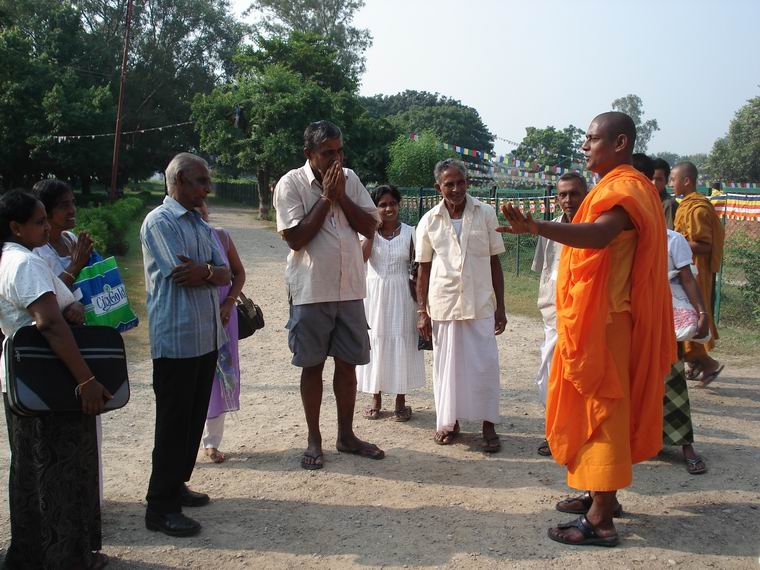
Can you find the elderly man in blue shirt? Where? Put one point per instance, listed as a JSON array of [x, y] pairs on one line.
[[183, 269]]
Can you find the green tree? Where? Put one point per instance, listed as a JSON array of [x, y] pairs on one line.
[[412, 161], [449, 119], [60, 75], [329, 19], [737, 155], [550, 146], [634, 106], [671, 158], [278, 104]]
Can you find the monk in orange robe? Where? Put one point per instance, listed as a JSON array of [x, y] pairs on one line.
[[698, 222], [615, 333]]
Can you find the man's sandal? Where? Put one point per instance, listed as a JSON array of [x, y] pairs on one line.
[[544, 450], [402, 415], [371, 413], [446, 437], [590, 534], [215, 455], [491, 444], [586, 500], [696, 466]]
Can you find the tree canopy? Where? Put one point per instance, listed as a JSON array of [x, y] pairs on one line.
[[63, 80], [412, 161], [634, 107], [550, 146], [329, 19], [736, 156]]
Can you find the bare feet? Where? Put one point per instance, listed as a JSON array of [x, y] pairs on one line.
[[215, 455], [356, 446]]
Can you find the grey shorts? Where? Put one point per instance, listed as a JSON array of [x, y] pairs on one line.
[[319, 330]]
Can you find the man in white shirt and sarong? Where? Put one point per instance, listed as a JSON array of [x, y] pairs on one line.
[[571, 190], [459, 307]]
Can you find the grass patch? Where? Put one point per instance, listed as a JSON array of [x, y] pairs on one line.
[[131, 267], [521, 294]]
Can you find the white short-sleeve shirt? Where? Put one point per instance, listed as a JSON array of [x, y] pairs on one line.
[[679, 256], [58, 263], [24, 278], [331, 266], [460, 275]]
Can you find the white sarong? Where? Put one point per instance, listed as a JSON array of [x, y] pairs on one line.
[[547, 353], [465, 372]]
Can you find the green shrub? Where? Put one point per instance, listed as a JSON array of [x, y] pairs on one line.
[[108, 224], [744, 253]]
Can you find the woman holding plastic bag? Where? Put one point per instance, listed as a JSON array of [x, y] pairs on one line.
[[66, 254], [225, 391], [690, 323]]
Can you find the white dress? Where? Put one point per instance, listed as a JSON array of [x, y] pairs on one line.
[[396, 366]]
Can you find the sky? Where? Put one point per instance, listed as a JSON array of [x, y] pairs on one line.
[[694, 63]]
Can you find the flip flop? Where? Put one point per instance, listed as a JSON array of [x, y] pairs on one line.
[[707, 380], [590, 535], [692, 466], [586, 500], [313, 466], [692, 371], [491, 444], [544, 449], [368, 450]]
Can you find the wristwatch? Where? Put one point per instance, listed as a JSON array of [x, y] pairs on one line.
[[210, 272]]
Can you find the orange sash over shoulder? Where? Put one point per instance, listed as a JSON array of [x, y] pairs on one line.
[[584, 388]]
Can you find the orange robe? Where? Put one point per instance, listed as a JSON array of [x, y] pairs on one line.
[[615, 341], [697, 220]]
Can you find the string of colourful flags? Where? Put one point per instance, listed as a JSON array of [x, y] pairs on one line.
[[63, 138], [737, 206]]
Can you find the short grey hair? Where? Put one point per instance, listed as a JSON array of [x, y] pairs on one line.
[[319, 132], [447, 163], [180, 163]]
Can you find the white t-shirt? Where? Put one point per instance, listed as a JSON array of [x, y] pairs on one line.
[[24, 278], [58, 263], [679, 256]]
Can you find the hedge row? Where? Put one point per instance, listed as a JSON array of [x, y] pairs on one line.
[[108, 224]]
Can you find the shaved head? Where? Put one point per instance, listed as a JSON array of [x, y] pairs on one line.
[[614, 124], [689, 169], [609, 142]]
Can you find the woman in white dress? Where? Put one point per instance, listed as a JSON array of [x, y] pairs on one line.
[[396, 366]]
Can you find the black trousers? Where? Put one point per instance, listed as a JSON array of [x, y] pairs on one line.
[[182, 387]]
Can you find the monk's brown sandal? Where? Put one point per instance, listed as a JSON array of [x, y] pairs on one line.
[[588, 531], [586, 500]]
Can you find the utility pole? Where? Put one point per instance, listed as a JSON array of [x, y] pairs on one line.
[[117, 136]]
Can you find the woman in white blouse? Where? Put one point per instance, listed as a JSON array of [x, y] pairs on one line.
[[53, 483], [65, 253]]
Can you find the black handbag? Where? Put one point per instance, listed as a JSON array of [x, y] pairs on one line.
[[38, 382], [250, 317]]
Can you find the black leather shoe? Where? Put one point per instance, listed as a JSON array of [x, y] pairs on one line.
[[173, 524], [190, 498]]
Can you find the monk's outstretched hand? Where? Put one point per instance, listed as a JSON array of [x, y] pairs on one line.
[[519, 223]]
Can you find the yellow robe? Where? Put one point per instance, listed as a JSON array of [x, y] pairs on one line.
[[697, 220], [615, 341]]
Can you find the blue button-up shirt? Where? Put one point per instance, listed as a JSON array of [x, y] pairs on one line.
[[184, 322]]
